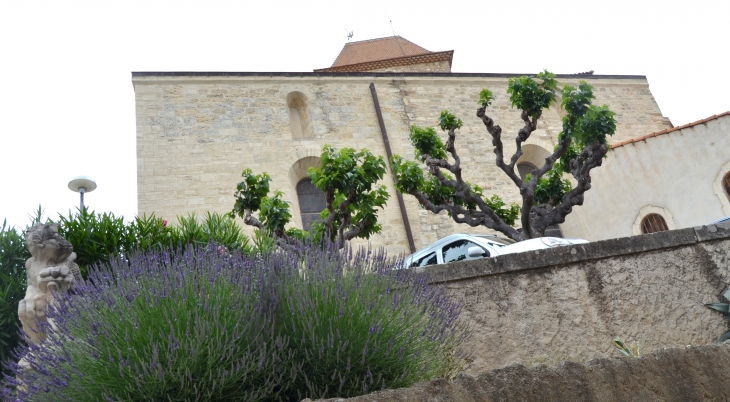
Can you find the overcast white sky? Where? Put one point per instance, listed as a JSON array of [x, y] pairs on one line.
[[67, 102]]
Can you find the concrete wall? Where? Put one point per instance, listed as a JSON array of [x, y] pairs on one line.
[[681, 375], [676, 175], [569, 303], [196, 133]]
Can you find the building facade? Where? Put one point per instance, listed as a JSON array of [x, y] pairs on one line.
[[196, 132], [672, 179]]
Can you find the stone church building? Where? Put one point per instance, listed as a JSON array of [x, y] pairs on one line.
[[196, 132]]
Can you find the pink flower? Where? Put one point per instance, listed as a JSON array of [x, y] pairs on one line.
[[164, 222]]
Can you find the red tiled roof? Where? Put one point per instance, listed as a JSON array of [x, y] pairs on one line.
[[382, 53], [669, 130], [397, 61], [377, 49]]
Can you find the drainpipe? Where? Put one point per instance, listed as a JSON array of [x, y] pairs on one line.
[[401, 203]]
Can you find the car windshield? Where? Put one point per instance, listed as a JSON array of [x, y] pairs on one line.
[[499, 241]]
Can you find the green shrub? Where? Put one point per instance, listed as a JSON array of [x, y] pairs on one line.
[[12, 288], [99, 237], [219, 229], [96, 237], [207, 325]]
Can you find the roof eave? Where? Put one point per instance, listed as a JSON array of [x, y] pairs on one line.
[[447, 55]]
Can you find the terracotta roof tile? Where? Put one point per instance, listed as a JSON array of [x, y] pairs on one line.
[[669, 130], [377, 49], [430, 57]]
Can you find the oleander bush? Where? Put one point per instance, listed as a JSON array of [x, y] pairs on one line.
[[12, 288], [208, 325], [99, 237]]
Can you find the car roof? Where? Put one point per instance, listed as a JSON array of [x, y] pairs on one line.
[[725, 219]]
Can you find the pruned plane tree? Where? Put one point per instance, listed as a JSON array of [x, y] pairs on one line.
[[547, 196]]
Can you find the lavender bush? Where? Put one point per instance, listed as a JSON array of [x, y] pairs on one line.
[[207, 326], [356, 325]]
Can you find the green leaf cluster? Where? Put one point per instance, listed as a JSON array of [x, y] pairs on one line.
[[250, 192], [585, 123], [274, 213], [447, 121], [427, 142], [409, 178], [351, 175], [96, 237], [530, 96], [219, 229], [99, 237], [485, 97], [508, 213]]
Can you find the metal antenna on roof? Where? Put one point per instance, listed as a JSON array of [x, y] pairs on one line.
[[350, 34], [397, 41]]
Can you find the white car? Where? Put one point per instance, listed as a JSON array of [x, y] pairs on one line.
[[462, 247]]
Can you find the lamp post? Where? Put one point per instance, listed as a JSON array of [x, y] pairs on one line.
[[81, 185]]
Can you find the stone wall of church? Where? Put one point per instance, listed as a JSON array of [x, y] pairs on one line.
[[195, 134]]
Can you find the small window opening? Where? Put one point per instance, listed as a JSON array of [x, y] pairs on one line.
[[298, 115], [312, 202], [726, 184], [653, 223], [525, 168]]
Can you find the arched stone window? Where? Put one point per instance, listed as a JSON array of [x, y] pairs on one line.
[[298, 115], [311, 202], [721, 187], [525, 168], [653, 223]]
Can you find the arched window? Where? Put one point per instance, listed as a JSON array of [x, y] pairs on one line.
[[653, 223], [726, 184], [298, 115], [525, 168], [311, 202]]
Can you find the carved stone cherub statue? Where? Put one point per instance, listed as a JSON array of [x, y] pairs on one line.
[[51, 268]]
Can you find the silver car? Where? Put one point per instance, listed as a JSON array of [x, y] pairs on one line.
[[462, 247]]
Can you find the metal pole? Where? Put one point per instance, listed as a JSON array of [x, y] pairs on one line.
[[401, 203], [81, 191]]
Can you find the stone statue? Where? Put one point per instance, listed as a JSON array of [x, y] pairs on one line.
[[50, 269]]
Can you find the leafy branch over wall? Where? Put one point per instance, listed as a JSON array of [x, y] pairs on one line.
[[547, 198]]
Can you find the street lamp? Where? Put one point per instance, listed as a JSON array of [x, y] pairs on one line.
[[81, 185]]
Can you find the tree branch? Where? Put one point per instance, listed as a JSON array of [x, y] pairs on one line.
[[251, 220], [590, 158], [496, 132]]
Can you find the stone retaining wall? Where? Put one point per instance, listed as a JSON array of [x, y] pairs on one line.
[[570, 303], [681, 375]]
